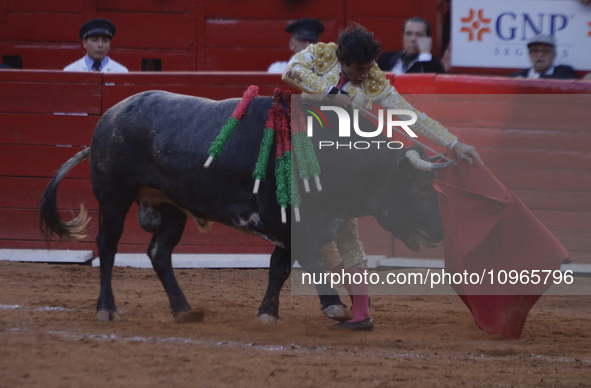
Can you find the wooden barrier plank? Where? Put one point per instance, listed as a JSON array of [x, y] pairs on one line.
[[534, 159], [504, 114], [43, 129], [39, 161], [262, 34], [563, 220], [114, 95], [134, 248], [453, 84], [555, 199], [566, 140], [574, 240], [579, 257], [414, 83], [172, 60], [202, 78], [50, 77], [259, 59], [23, 224], [543, 180], [21, 97], [25, 193], [144, 30], [46, 56]]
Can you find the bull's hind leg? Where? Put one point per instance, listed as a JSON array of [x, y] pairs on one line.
[[113, 214], [166, 237], [279, 269]]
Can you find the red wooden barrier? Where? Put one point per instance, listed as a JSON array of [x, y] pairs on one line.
[[542, 153]]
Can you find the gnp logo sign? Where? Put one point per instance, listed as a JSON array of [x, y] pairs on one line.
[[495, 34]]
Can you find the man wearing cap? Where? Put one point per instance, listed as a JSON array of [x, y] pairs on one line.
[[346, 73], [416, 56], [304, 33], [96, 35], [542, 52]]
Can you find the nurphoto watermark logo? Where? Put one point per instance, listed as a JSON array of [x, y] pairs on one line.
[[391, 117]]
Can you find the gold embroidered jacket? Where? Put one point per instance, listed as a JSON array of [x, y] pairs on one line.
[[316, 70]]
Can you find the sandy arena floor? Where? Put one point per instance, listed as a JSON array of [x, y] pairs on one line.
[[49, 337]]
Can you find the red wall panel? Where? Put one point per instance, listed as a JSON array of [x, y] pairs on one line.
[[168, 6], [145, 30], [254, 9], [47, 27], [172, 60], [41, 129], [265, 34], [47, 56]]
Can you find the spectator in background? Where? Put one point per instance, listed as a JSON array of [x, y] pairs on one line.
[[416, 56], [304, 33], [96, 35], [542, 52]]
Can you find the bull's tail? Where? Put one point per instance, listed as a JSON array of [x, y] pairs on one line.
[[50, 220]]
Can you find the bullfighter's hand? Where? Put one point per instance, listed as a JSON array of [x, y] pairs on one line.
[[467, 152], [425, 45]]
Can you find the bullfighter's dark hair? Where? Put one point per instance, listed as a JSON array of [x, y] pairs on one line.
[[420, 20], [357, 45]]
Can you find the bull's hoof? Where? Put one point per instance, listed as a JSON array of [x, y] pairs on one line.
[[189, 316], [106, 316], [337, 312], [266, 319]]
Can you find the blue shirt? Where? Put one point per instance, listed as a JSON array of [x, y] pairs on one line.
[[90, 62]]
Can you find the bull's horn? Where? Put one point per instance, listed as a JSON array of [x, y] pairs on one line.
[[435, 158], [423, 165]]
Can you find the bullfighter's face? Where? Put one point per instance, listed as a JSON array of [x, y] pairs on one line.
[[357, 72]]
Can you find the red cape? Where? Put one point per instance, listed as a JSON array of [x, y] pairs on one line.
[[488, 228]]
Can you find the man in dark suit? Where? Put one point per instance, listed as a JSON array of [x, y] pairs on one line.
[[416, 56], [542, 53]]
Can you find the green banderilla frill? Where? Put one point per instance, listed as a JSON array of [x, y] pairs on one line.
[[295, 191], [263, 159], [283, 179], [306, 157], [218, 144]]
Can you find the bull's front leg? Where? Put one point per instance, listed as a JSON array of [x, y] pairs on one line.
[[279, 270]]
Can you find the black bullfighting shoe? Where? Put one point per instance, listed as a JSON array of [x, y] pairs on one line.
[[365, 325]]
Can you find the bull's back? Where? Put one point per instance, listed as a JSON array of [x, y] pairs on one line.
[[161, 140]]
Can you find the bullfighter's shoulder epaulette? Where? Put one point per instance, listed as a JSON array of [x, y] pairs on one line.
[[375, 83], [325, 57]]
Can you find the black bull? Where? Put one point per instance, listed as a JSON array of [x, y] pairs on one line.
[[151, 148]]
